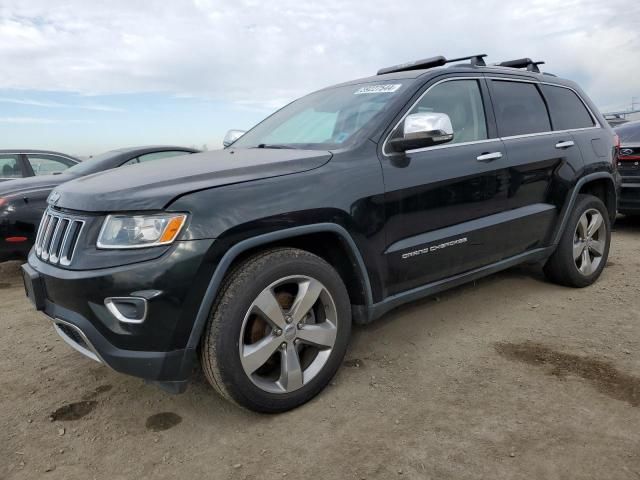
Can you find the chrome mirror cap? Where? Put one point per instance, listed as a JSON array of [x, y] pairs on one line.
[[428, 125], [421, 130], [232, 136]]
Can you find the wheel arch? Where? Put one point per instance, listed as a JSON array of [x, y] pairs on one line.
[[599, 184], [316, 238], [603, 188]]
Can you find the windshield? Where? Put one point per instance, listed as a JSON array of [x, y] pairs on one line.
[[91, 165], [322, 120], [629, 132]]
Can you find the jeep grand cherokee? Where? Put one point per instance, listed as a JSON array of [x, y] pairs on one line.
[[337, 208]]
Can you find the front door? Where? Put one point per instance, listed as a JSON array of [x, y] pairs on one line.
[[443, 203]]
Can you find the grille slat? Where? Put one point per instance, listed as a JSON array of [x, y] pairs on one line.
[[48, 237], [58, 237], [43, 227]]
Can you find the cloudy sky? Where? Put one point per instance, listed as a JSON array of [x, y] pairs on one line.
[[83, 76]]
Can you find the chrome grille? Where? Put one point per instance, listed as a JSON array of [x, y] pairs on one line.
[[58, 237]]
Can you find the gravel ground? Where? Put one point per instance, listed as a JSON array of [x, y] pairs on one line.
[[509, 377]]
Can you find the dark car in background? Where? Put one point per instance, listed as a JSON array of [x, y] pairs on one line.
[[629, 167], [21, 163], [23, 201]]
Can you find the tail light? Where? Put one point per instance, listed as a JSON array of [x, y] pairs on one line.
[[15, 239], [616, 150], [2, 201]]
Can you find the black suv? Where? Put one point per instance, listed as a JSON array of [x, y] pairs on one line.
[[337, 208]]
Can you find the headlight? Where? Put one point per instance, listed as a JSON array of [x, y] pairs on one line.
[[139, 231]]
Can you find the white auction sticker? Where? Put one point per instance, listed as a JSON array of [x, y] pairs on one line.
[[390, 88]]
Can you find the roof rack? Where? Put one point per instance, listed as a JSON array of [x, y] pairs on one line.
[[527, 63], [439, 61]]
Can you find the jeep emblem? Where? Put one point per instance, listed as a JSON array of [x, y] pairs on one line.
[[54, 197]]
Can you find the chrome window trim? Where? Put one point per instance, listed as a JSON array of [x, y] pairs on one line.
[[450, 145], [43, 153], [596, 125]]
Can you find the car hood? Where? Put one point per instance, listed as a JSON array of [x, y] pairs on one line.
[[153, 185], [24, 186]]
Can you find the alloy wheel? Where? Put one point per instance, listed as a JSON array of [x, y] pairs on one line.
[[288, 334], [589, 241]]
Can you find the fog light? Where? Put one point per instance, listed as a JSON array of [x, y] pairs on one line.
[[127, 309]]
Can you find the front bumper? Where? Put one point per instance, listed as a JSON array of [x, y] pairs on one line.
[[629, 198], [156, 349]]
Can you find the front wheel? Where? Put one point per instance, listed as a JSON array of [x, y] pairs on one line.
[[584, 246], [278, 331]]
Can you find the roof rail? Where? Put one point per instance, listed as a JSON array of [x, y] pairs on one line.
[[439, 61], [527, 63]]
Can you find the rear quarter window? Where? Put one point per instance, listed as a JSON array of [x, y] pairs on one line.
[[567, 111], [519, 108]]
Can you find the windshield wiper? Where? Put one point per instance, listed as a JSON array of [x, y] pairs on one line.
[[266, 145]]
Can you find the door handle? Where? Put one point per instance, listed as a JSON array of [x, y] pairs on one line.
[[567, 144], [489, 157]]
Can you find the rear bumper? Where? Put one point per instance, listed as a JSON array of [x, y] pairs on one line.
[[156, 349]]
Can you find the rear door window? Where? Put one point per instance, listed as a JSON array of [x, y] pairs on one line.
[[43, 164], [567, 111], [10, 166], [519, 108]]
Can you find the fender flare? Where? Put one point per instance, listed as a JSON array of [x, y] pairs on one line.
[[568, 206], [223, 267]]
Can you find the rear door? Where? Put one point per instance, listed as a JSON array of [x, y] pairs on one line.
[[538, 157], [569, 113]]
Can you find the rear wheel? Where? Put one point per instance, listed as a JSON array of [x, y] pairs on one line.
[[584, 247], [278, 331]]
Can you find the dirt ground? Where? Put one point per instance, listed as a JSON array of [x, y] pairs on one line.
[[509, 377]]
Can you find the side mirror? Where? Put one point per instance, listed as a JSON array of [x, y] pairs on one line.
[[232, 136], [421, 130]]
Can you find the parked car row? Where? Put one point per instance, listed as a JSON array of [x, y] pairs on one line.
[[256, 259], [23, 200]]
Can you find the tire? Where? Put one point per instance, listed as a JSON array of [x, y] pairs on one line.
[[566, 269], [239, 335]]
